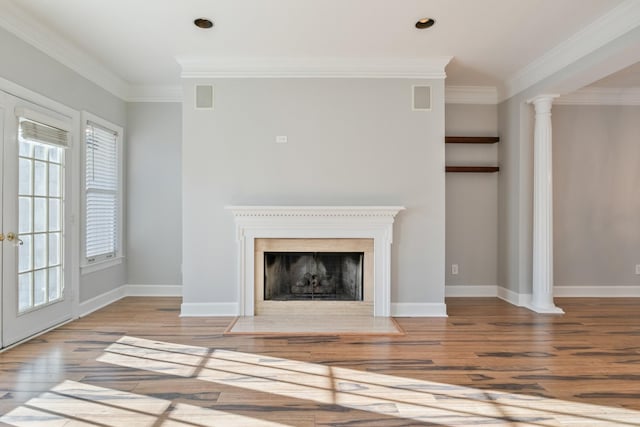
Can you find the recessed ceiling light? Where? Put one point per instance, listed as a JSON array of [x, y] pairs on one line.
[[203, 23], [425, 23]]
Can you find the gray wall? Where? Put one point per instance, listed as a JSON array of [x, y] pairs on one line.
[[28, 67], [515, 187], [596, 166], [154, 200], [351, 141], [472, 199]]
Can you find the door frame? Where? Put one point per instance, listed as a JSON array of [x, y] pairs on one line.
[[72, 201]]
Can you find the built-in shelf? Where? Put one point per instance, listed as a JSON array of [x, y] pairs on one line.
[[476, 169], [471, 139]]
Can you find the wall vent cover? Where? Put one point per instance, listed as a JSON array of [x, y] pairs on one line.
[[421, 98], [204, 97]]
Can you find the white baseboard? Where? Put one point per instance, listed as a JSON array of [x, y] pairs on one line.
[[519, 300], [120, 292], [611, 291], [153, 290], [410, 309], [597, 291], [397, 309], [470, 291], [103, 300], [209, 309]]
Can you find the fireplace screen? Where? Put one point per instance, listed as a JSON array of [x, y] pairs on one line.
[[313, 276]]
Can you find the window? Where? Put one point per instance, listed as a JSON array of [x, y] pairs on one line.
[[40, 213], [102, 192]]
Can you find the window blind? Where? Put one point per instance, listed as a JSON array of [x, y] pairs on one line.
[[38, 132], [101, 191]]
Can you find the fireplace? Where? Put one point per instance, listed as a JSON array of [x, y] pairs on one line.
[[300, 230], [320, 276], [305, 276]]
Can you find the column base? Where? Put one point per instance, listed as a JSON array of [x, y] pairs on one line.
[[545, 310]]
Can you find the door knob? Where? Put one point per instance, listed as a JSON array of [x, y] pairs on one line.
[[1, 237], [12, 236]]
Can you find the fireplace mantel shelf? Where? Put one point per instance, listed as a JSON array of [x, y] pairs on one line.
[[270, 211], [315, 222]]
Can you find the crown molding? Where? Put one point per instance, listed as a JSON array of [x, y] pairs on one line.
[[25, 27], [601, 96], [154, 94], [486, 95], [619, 21], [427, 68]]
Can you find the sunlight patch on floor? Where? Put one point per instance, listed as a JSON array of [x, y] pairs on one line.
[[72, 404], [156, 356], [290, 382]]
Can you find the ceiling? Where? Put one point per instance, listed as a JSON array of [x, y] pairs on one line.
[[626, 78], [139, 40]]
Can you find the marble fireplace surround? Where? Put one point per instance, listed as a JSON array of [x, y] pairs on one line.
[[315, 222]]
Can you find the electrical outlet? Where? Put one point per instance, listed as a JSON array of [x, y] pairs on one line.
[[281, 139], [638, 269], [454, 269]]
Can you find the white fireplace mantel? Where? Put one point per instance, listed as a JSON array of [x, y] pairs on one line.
[[315, 222]]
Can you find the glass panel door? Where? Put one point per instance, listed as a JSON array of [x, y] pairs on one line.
[[35, 295]]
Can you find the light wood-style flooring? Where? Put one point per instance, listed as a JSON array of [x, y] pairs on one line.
[[136, 363]]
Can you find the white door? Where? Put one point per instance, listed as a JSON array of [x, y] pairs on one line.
[[35, 246]]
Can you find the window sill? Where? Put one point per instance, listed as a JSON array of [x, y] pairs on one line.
[[100, 265]]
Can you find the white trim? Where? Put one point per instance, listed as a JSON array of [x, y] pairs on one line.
[[417, 309], [612, 291], [477, 95], [519, 300], [418, 68], [545, 310], [315, 222], [41, 101], [64, 124], [601, 96], [617, 22], [32, 31], [99, 265], [155, 94], [103, 300], [153, 290], [100, 301], [524, 300], [471, 291], [315, 211], [212, 309]]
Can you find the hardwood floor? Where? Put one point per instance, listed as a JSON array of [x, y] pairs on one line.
[[136, 363]]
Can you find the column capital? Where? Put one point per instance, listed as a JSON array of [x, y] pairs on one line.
[[542, 103]]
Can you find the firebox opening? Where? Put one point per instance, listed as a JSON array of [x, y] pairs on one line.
[[295, 276]]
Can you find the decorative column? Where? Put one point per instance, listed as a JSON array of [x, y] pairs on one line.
[[542, 298]]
